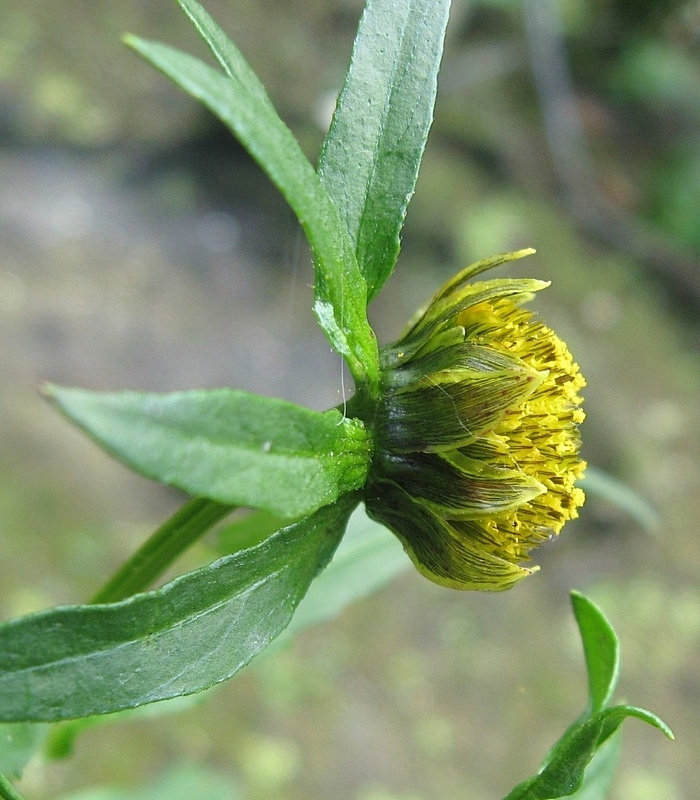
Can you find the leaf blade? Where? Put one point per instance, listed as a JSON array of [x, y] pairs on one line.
[[196, 631], [564, 772], [372, 153], [230, 446], [225, 51], [601, 650]]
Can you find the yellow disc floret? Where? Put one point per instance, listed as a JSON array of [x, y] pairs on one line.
[[540, 436]]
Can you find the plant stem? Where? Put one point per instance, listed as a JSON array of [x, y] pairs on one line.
[[159, 551], [7, 790]]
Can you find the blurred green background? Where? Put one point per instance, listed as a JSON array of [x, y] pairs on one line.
[[141, 249]]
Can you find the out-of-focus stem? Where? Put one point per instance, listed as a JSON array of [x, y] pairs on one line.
[[159, 551]]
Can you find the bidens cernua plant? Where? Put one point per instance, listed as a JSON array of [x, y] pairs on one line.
[[461, 438]]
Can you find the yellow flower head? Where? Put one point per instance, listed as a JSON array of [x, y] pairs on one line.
[[476, 435]]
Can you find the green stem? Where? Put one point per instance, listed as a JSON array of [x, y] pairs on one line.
[[8, 791], [159, 551]]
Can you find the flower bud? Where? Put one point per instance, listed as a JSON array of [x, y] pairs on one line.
[[476, 433]]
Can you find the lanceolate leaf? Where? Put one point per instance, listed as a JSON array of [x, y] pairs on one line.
[[601, 650], [239, 100], [196, 631], [230, 446], [373, 150], [367, 558]]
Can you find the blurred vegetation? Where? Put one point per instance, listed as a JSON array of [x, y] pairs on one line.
[[140, 249]]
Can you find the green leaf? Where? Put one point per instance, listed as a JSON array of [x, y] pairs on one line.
[[564, 769], [239, 100], [372, 152], [229, 56], [563, 774], [196, 631], [600, 773], [367, 558], [613, 718], [230, 446], [8, 791], [601, 650], [18, 743]]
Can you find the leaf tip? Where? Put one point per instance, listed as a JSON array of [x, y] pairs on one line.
[[134, 42], [526, 251], [48, 390], [54, 393], [579, 601]]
